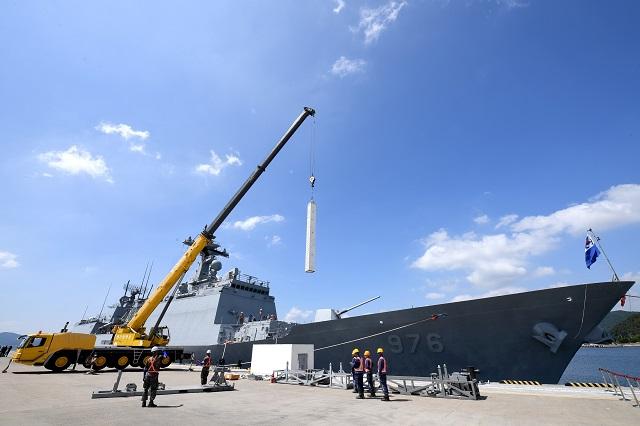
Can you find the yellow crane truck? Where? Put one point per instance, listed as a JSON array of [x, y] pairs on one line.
[[131, 343]]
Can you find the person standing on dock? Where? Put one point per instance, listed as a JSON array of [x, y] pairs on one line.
[[206, 364], [151, 377], [368, 370], [357, 368], [382, 373]]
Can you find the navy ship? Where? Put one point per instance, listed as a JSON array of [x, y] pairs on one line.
[[526, 336]]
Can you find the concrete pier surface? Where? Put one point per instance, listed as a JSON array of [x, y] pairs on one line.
[[33, 396]]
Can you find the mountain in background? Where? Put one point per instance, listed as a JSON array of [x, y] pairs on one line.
[[614, 318], [628, 331], [9, 339]]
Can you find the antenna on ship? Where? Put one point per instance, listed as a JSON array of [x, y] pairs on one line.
[[147, 275], [105, 301], [85, 312], [143, 277], [596, 239]]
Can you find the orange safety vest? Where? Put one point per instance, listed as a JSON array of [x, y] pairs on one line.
[[360, 366], [367, 364], [382, 365], [152, 366]]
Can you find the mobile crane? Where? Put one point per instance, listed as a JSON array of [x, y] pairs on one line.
[[132, 342]]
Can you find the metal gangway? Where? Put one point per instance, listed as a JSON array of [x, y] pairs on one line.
[[314, 377], [614, 381], [461, 385]]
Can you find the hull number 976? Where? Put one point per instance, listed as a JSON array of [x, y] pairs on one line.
[[408, 343]]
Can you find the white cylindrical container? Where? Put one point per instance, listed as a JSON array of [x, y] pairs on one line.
[[310, 255]]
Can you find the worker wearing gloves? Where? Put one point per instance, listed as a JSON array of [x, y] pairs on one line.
[[357, 367], [151, 377], [206, 364], [368, 370], [383, 368]]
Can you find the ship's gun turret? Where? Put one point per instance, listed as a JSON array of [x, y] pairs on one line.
[[332, 314], [133, 333]]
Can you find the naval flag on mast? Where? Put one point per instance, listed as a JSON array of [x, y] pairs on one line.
[[591, 252]]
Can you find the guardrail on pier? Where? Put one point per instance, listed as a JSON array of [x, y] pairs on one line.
[[615, 378]]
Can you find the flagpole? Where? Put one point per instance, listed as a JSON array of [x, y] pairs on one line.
[[596, 240]]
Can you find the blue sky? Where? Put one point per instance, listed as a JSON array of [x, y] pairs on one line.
[[462, 148]]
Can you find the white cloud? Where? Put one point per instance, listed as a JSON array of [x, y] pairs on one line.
[[512, 4], [8, 260], [137, 148], [374, 21], [507, 220], [340, 4], [127, 133], [75, 161], [434, 295], [216, 165], [298, 315], [481, 220], [274, 240], [124, 130], [544, 271], [618, 206], [630, 276], [497, 260], [250, 223], [343, 67]]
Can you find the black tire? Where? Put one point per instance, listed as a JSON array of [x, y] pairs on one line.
[[58, 362], [166, 361], [101, 362], [121, 361]]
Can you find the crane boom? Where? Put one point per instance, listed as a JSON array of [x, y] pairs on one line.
[[133, 334]]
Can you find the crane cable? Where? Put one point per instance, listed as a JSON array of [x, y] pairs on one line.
[[312, 158]]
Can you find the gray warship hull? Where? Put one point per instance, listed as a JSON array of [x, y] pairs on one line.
[[526, 336]]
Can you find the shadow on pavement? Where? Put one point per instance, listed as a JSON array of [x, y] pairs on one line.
[[105, 371]]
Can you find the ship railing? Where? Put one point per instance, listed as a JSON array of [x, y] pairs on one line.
[[633, 384], [253, 280]]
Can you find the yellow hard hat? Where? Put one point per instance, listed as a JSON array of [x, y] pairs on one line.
[[367, 353], [380, 350], [355, 351]]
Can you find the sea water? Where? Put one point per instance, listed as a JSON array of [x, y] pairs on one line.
[[584, 366]]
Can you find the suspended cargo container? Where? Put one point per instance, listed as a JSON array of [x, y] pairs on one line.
[[310, 255]]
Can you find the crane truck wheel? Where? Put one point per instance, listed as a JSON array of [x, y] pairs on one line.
[[122, 361], [58, 362], [166, 361], [101, 362]]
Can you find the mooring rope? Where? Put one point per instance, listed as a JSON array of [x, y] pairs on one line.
[[584, 306], [431, 318]]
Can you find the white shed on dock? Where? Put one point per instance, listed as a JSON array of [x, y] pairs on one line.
[[267, 358]]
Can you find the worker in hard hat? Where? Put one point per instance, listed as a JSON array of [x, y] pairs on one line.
[[206, 364], [151, 376], [368, 370], [383, 368], [357, 368]]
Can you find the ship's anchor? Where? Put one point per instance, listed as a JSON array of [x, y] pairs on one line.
[[549, 335]]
